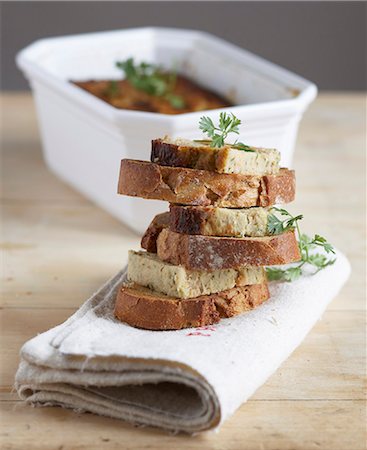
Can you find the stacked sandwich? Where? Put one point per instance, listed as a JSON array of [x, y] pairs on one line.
[[204, 259]]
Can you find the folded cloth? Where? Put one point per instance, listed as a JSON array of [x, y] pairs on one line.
[[189, 380]]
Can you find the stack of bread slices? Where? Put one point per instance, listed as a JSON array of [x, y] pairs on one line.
[[204, 259]]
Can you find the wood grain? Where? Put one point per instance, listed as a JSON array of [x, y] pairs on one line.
[[263, 425], [57, 248]]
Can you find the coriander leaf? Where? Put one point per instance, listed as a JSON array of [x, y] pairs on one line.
[[176, 101], [217, 140], [206, 125], [277, 274], [228, 123], [293, 273], [289, 224], [317, 259], [275, 225], [304, 239], [224, 121], [151, 79], [127, 66], [234, 125], [304, 242], [320, 261], [321, 241], [274, 274]]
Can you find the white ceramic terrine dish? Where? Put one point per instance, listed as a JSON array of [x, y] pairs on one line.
[[84, 138]]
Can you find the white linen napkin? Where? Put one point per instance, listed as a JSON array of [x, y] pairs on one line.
[[189, 380]]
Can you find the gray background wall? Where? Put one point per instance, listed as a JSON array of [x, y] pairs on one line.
[[323, 41]]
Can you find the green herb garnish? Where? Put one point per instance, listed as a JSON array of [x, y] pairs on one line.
[[151, 79], [277, 225], [176, 101], [228, 123]]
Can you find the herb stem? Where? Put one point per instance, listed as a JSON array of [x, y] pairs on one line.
[[317, 260], [301, 247], [228, 123]]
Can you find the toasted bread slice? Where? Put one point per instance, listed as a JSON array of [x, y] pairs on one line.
[[143, 308], [201, 187], [149, 240], [227, 159], [196, 252], [148, 270], [211, 221]]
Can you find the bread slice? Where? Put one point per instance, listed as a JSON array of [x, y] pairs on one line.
[[148, 270], [211, 221], [143, 308], [201, 187], [198, 155], [149, 240], [196, 252]]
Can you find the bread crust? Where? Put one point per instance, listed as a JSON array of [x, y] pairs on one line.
[[195, 155], [197, 252], [201, 187], [149, 239], [204, 220], [168, 154], [143, 308]]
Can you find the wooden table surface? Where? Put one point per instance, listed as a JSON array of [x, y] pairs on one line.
[[58, 248]]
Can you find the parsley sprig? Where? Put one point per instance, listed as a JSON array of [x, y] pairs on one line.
[[228, 123], [278, 225], [151, 79]]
